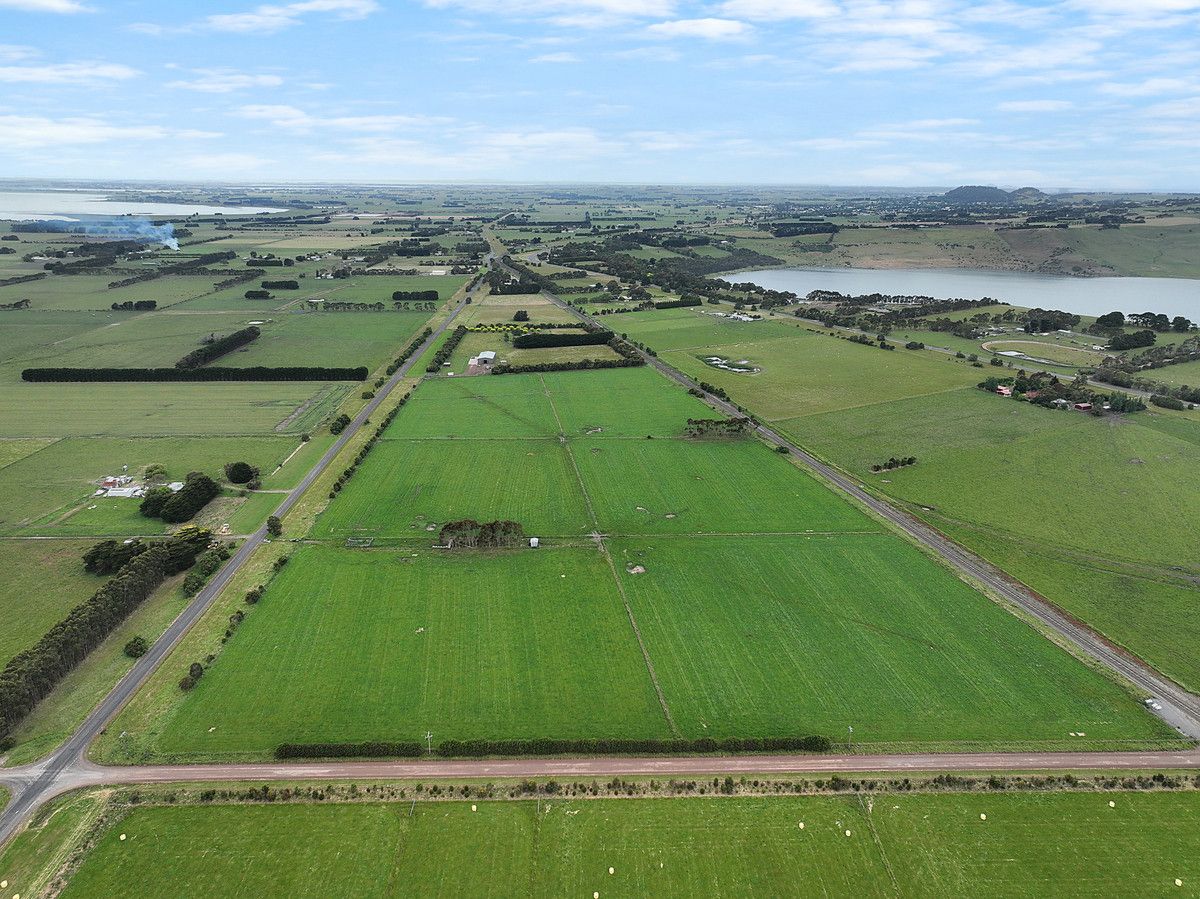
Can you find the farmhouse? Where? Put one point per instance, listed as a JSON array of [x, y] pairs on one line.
[[1084, 407]]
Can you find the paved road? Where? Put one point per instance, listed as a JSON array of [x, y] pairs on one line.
[[85, 774], [1179, 708], [34, 784]]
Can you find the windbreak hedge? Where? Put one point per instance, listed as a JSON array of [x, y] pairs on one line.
[[544, 339], [254, 373], [678, 304], [481, 748], [218, 348]]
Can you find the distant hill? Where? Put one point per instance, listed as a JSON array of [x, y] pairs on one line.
[[970, 194]]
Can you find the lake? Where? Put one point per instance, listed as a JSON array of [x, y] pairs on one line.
[[1082, 296], [61, 205]]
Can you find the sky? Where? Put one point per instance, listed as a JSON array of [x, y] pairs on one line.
[[1092, 94]]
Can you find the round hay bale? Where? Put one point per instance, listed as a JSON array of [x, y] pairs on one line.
[[1111, 804], [801, 825], [596, 895], [612, 870], [1178, 882], [847, 833], [122, 838], [982, 816]]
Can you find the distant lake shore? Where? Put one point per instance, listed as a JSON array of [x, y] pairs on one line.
[[1082, 296], [64, 206]]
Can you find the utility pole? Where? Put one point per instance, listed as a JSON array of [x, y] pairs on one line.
[[429, 741]]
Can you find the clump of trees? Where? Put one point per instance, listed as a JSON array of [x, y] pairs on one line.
[[415, 296], [339, 424], [520, 316], [136, 648], [447, 349], [258, 294], [470, 534], [240, 472], [717, 427], [894, 463], [546, 339], [110, 556], [197, 492], [1123, 341], [288, 284], [206, 565], [135, 306]]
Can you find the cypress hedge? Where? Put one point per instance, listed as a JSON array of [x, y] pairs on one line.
[[481, 748], [288, 284], [415, 296], [544, 339], [447, 349], [218, 348], [31, 675], [373, 749], [254, 373], [678, 304]]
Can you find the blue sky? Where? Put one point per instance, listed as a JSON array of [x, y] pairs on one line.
[[1081, 93]]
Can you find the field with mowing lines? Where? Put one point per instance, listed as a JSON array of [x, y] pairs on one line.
[[769, 636], [805, 373], [332, 339], [50, 491], [499, 309], [1095, 485], [705, 486], [153, 410], [496, 406], [624, 402], [384, 644], [43, 580], [405, 486], [917, 844]]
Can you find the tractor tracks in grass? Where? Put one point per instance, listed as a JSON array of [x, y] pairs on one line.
[[612, 566]]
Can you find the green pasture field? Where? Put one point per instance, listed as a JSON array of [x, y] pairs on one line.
[[499, 406], [152, 410], [43, 580], [405, 487], [706, 486], [330, 338], [803, 373], [379, 288], [772, 636], [14, 450], [622, 402], [85, 292], [1028, 844], [1102, 484], [500, 309], [1184, 374], [1064, 355], [387, 644], [476, 342], [27, 334], [670, 329], [49, 490]]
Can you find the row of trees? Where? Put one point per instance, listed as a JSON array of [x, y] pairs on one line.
[[186, 266], [446, 350], [717, 427], [346, 475], [468, 533], [416, 296], [253, 373], [109, 556], [135, 306], [33, 673], [407, 354], [218, 347], [678, 304], [280, 285], [546, 339]]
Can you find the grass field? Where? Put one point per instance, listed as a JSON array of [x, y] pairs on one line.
[[152, 410], [43, 580], [50, 491], [331, 338], [772, 636], [381, 644], [923, 844]]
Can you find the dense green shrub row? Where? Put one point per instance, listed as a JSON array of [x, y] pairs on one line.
[[32, 674], [678, 304], [109, 556], [416, 296], [412, 348], [288, 284], [218, 348], [254, 373], [135, 306], [447, 349], [373, 749], [346, 475], [545, 339], [257, 294]]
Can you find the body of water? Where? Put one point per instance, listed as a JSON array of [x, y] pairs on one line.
[[1082, 296], [63, 205]]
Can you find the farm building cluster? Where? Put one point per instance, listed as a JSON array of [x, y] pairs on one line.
[[125, 487]]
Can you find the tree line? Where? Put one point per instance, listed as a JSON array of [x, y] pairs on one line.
[[135, 306], [32, 674], [174, 507], [447, 349], [254, 373], [217, 348], [546, 339]]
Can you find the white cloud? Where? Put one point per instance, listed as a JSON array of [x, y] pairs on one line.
[[649, 54], [779, 9], [291, 118], [55, 6], [31, 132], [709, 29], [1148, 88], [270, 18], [224, 81], [16, 52], [606, 9], [67, 73], [1035, 105], [1187, 108], [556, 57]]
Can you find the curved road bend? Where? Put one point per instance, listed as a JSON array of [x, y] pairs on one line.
[[1180, 708], [33, 784]]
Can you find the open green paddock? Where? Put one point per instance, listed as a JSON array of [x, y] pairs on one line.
[[1101, 486], [379, 288], [154, 410], [49, 491], [406, 486], [82, 292], [687, 486], [477, 342], [330, 339], [494, 309], [388, 644], [1026, 844], [758, 636], [43, 580], [694, 328], [26, 334], [624, 402]]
